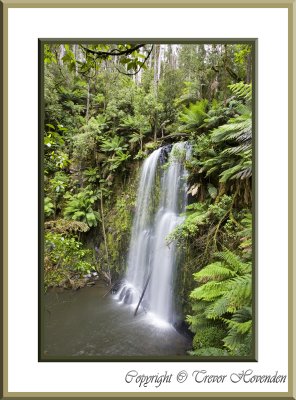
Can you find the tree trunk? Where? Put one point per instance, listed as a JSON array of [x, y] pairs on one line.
[[61, 54], [105, 237], [157, 63], [87, 101], [249, 68], [156, 67], [224, 74], [75, 52]]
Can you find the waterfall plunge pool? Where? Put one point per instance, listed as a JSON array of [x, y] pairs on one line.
[[83, 323]]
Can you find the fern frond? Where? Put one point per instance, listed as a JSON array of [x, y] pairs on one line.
[[239, 327], [234, 340], [217, 308], [209, 291], [242, 90], [234, 129], [233, 261], [194, 115], [215, 271], [239, 291], [212, 191]]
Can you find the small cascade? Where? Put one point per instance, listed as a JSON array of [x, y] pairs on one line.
[[152, 261]]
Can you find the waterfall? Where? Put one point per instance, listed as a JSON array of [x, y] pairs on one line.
[[161, 198]]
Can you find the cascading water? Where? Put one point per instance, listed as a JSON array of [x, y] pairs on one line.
[[151, 260]]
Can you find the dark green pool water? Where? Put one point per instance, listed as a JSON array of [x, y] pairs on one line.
[[84, 323]]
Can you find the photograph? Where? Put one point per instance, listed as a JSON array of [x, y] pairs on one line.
[[147, 200]]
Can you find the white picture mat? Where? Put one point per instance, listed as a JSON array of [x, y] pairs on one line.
[[25, 27]]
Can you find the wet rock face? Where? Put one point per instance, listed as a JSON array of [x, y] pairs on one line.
[[128, 298], [122, 293], [164, 154], [117, 286]]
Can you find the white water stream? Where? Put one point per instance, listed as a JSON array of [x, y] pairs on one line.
[[152, 262]]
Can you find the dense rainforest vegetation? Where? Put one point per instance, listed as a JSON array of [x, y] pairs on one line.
[[106, 108]]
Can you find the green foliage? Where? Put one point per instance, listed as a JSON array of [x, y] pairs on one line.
[[225, 289], [53, 138], [114, 144], [59, 182], [209, 352], [131, 57], [242, 90], [246, 236], [80, 207], [49, 56], [118, 221], [210, 336], [85, 141], [231, 153], [212, 191], [196, 216], [64, 255], [92, 175], [194, 116], [98, 121], [48, 207], [54, 144], [66, 227], [221, 207]]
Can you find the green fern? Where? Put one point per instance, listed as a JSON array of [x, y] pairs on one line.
[[242, 90], [217, 308], [194, 116], [212, 191], [215, 271], [48, 207], [237, 129], [233, 261], [231, 142], [209, 291], [225, 294], [80, 207]]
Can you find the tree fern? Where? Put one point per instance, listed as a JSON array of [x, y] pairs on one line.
[[239, 291], [239, 327], [232, 141], [209, 291], [194, 116], [237, 129], [215, 271], [217, 308], [242, 90], [225, 293], [246, 236], [239, 336], [233, 261]]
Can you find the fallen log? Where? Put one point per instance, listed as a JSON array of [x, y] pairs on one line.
[[143, 292], [112, 287]]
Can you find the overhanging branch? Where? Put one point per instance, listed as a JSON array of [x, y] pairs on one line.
[[113, 52]]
